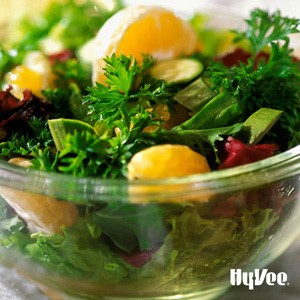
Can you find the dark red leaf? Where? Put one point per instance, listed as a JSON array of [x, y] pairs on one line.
[[237, 153], [15, 113], [138, 259], [241, 56], [261, 56], [234, 58], [61, 56], [229, 207], [8, 102]]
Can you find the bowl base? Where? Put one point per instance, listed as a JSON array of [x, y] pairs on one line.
[[202, 295]]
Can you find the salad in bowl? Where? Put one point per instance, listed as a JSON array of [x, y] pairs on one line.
[[143, 155]]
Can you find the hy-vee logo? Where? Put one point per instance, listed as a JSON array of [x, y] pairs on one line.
[[257, 278]]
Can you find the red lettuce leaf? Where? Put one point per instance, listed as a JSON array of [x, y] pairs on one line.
[[239, 56], [15, 113], [61, 56], [237, 153], [139, 258]]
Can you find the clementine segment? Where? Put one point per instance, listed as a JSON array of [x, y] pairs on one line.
[[34, 74], [41, 213], [22, 77], [166, 161], [138, 30], [162, 162]]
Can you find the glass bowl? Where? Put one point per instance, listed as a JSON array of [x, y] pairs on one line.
[[199, 228], [192, 230]]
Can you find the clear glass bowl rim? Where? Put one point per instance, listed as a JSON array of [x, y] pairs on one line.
[[84, 189]]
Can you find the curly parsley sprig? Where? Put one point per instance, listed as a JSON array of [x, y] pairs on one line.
[[272, 81], [86, 154], [264, 28], [127, 83]]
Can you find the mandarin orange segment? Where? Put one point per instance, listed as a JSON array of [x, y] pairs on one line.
[[34, 74], [41, 213], [138, 30], [22, 77], [166, 161]]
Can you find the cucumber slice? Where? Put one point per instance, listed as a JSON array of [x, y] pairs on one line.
[[260, 122], [175, 71], [60, 128]]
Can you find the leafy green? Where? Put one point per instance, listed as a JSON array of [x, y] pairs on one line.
[[81, 154], [45, 160], [86, 154], [121, 73], [70, 22], [78, 251], [66, 102], [223, 109], [272, 83], [8, 59], [122, 111], [69, 72], [24, 144], [260, 123], [60, 128], [70, 82], [195, 95], [112, 101], [200, 250], [12, 228], [133, 227], [60, 100], [264, 28]]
